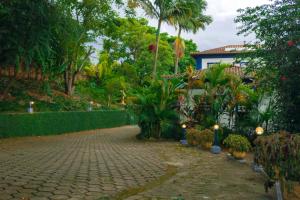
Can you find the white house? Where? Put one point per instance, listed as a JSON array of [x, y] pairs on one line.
[[225, 54]]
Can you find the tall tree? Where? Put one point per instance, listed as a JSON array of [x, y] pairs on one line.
[[82, 22], [193, 23], [138, 54], [275, 56], [163, 11]]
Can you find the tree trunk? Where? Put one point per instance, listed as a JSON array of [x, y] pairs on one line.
[[156, 48], [176, 53], [69, 83]]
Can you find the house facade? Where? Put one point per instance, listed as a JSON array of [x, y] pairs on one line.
[[225, 54]]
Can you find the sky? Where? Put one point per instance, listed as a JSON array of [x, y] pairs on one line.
[[222, 31]]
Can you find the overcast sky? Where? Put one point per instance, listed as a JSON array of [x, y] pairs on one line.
[[222, 31]]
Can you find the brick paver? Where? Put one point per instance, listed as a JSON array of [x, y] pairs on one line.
[[112, 164], [86, 165]]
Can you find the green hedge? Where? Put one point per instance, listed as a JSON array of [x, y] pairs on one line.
[[52, 123]]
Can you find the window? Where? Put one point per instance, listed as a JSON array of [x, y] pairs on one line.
[[209, 64]]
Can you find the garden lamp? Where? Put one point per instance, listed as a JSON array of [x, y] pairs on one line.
[[90, 108], [216, 149], [255, 166], [259, 130], [183, 141], [30, 109]]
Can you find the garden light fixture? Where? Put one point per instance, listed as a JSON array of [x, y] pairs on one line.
[[255, 166], [216, 127], [259, 130], [90, 108], [183, 141], [216, 149], [30, 109]]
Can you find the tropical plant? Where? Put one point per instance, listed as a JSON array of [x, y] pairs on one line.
[[163, 11], [154, 107], [237, 143], [193, 23], [212, 103], [137, 55]]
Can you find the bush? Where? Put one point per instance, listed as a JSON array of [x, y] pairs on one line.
[[205, 138], [279, 152], [191, 136], [51, 123], [237, 143]]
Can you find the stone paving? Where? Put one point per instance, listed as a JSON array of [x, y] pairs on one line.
[[112, 164]]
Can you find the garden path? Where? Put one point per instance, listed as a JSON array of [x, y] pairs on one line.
[[112, 164]]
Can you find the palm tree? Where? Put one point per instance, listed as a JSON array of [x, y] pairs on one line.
[[163, 11], [195, 22]]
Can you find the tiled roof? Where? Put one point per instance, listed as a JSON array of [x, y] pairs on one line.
[[229, 49], [236, 70]]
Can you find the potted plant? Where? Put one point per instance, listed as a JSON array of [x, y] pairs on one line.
[[238, 145], [205, 138]]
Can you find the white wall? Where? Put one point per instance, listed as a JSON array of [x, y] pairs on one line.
[[216, 60]]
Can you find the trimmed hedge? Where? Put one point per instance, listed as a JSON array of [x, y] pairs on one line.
[[52, 123]]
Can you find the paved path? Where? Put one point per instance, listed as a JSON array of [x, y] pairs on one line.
[[112, 164]]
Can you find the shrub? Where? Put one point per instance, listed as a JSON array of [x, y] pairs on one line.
[[51, 123], [154, 107], [205, 137], [279, 152], [237, 143], [191, 136]]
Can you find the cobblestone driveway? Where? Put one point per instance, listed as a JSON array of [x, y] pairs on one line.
[[85, 165], [112, 164]]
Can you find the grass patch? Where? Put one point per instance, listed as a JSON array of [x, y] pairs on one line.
[[171, 171]]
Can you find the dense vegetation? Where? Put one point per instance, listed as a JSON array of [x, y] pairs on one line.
[[85, 50], [275, 59]]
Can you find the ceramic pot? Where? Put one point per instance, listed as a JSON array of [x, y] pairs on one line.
[[239, 155]]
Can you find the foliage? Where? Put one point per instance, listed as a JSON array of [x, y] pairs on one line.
[[186, 60], [26, 33], [223, 94], [163, 11], [51, 123], [191, 136], [115, 86], [205, 137], [195, 21], [136, 55], [55, 36], [279, 153], [154, 108], [274, 58], [237, 143]]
